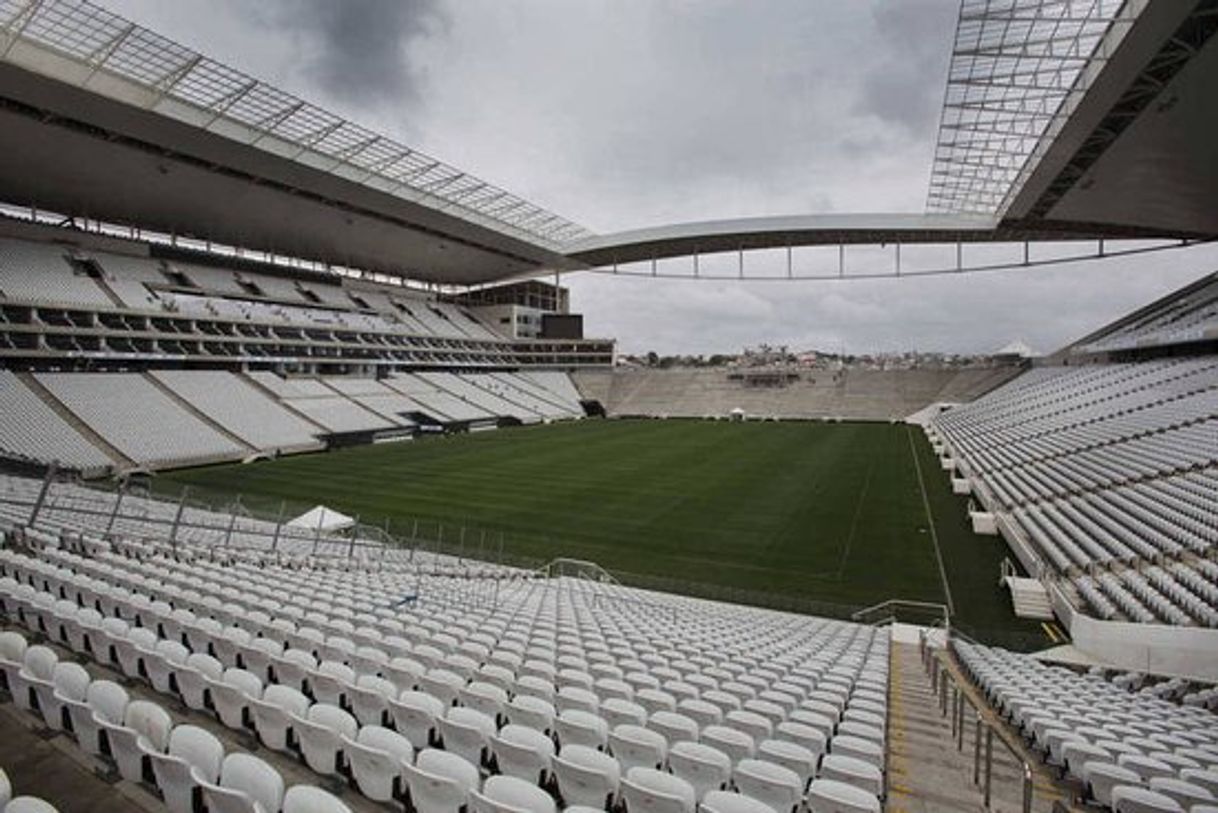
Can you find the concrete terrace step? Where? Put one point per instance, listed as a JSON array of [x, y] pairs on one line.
[[929, 769]]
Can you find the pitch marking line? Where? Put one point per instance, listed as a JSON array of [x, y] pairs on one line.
[[930, 520], [854, 522]]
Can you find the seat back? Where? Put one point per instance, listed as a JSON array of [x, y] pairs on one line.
[[522, 752], [722, 801], [108, 700], [205, 665], [199, 748], [415, 714], [440, 782], [29, 804], [387, 740], [253, 777], [39, 662], [575, 727], [150, 721], [334, 719], [586, 776], [830, 796], [635, 746], [509, 794], [71, 681], [771, 784], [308, 799], [12, 646], [647, 790], [702, 766], [286, 698], [247, 683], [531, 711]]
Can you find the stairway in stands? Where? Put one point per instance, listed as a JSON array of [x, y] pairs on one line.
[[1029, 598], [927, 772]]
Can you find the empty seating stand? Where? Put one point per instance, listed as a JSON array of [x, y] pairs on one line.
[[1109, 472], [1126, 746], [561, 692]]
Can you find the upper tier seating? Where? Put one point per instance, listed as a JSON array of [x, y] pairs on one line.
[[121, 407], [131, 279], [40, 273], [1189, 318]]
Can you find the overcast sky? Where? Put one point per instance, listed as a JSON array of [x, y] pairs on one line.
[[622, 114]]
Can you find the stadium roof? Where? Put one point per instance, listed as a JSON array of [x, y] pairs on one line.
[[92, 103], [1014, 64], [1062, 120]]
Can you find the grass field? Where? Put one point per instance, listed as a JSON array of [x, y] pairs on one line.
[[827, 512]]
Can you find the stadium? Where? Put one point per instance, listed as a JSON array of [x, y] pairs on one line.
[[315, 497]]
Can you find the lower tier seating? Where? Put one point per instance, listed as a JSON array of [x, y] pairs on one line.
[[554, 692], [1129, 750]]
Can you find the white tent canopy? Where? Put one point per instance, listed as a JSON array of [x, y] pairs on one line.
[[321, 518]]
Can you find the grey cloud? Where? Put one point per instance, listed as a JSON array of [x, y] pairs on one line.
[[359, 50], [906, 86]]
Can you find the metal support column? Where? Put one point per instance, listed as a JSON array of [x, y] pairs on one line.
[[960, 727], [177, 520], [232, 521], [283, 507], [118, 502], [989, 763], [42, 493], [977, 752]]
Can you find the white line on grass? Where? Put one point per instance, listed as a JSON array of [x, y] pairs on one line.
[[934, 537]]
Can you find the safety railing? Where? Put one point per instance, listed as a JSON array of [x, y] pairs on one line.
[[1003, 776], [922, 613]]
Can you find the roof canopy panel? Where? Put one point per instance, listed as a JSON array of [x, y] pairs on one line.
[[1017, 68], [142, 90]]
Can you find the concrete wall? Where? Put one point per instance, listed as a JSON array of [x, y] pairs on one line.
[[1157, 648]]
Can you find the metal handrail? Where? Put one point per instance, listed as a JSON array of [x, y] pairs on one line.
[[952, 698], [889, 610]]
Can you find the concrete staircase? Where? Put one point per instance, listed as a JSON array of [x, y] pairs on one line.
[[1029, 598], [930, 767]]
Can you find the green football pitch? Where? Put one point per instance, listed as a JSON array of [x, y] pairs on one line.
[[838, 514]]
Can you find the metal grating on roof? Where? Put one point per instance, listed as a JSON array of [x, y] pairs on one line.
[[106, 43], [1018, 68]]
